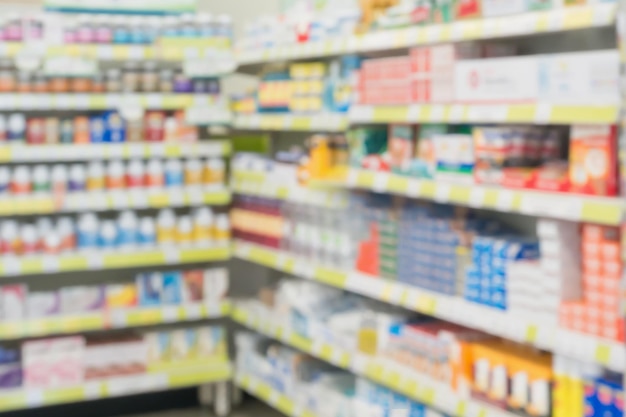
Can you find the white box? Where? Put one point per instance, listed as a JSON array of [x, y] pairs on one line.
[[497, 80], [580, 78], [502, 7]]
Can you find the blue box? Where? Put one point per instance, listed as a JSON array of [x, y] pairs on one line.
[[115, 129], [498, 299], [150, 287], [97, 129], [172, 288]]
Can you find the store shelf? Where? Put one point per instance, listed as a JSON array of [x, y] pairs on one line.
[[112, 200], [264, 392], [573, 207], [112, 319], [103, 260], [416, 386], [168, 50], [274, 186], [16, 152], [22, 101], [326, 122], [527, 330], [540, 113], [178, 377], [506, 26]]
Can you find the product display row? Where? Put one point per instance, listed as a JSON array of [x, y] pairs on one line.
[[108, 127], [116, 175], [150, 289], [301, 24], [113, 28], [473, 365], [131, 78], [315, 386], [58, 362], [128, 231]]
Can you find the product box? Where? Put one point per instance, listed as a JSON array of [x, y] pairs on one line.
[[466, 9], [150, 288], [10, 368], [82, 299], [497, 80], [97, 129], [454, 155], [13, 302], [401, 146], [216, 284], [593, 160], [115, 130], [172, 288], [53, 363], [580, 78], [121, 296], [43, 304], [493, 8]]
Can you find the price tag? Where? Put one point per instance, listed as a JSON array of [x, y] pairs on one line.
[[11, 265], [477, 197], [95, 261], [433, 33], [119, 199], [172, 256], [274, 398], [140, 199], [414, 188], [92, 390], [543, 113], [154, 101], [170, 314], [136, 52], [352, 178], [81, 101], [381, 181], [195, 196], [442, 193], [177, 198], [193, 311], [34, 397], [50, 264], [457, 113], [105, 52], [505, 200], [437, 113], [118, 319]]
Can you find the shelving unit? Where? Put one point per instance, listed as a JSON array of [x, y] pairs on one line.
[[331, 122]]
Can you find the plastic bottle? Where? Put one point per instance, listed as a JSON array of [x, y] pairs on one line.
[[184, 231], [214, 171], [5, 179], [128, 229], [21, 180], [17, 128], [193, 172], [85, 32], [136, 174], [115, 178], [222, 229], [67, 233], [95, 176], [9, 237], [88, 229], [166, 227], [173, 173], [108, 237], [44, 226], [121, 30], [206, 25], [104, 31], [59, 179], [41, 179], [137, 32], [154, 174], [29, 238], [147, 232], [203, 226], [52, 243], [3, 128], [78, 178]]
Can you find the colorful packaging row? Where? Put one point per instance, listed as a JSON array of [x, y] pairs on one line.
[[113, 28], [116, 175], [527, 157], [70, 361], [127, 232], [110, 127], [132, 78], [489, 74], [152, 289]]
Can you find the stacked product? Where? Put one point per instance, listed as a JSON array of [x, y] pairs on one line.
[[116, 175], [316, 386], [62, 362], [127, 232], [154, 289], [109, 127], [597, 311], [487, 277]]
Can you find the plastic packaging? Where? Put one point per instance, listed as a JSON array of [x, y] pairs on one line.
[[173, 173]]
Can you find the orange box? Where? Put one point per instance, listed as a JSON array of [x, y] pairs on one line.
[[593, 160], [592, 266], [592, 282], [597, 233], [591, 248], [609, 284], [610, 251], [611, 269]]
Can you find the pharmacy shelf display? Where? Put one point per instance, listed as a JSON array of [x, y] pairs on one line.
[[112, 200], [415, 386], [94, 151], [453, 309], [489, 28], [270, 396], [602, 210], [104, 260], [541, 113], [177, 376], [331, 122], [113, 319]]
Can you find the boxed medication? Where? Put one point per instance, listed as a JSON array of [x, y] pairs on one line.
[[593, 160]]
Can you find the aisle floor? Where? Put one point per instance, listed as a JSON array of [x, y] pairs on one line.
[[250, 408]]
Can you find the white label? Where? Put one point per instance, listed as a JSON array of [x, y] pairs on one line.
[[436, 113], [81, 101], [170, 314], [193, 311], [381, 181], [414, 188], [543, 113], [11, 265], [505, 200], [353, 175], [92, 390], [50, 264], [172, 256], [136, 52], [95, 261], [140, 199], [177, 198], [118, 319], [119, 199], [442, 193], [433, 33], [274, 398], [34, 397], [477, 197]]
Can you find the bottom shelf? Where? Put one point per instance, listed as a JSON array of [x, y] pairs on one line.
[[187, 375], [261, 390]]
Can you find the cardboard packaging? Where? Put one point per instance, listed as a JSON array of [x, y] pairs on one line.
[[593, 160]]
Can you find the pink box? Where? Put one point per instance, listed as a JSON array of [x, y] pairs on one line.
[[51, 363]]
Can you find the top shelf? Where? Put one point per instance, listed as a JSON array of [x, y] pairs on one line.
[[557, 20]]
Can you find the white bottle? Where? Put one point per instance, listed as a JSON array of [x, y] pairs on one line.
[[9, 237], [222, 229], [41, 179], [193, 172], [5, 179], [174, 173], [115, 175], [136, 174], [215, 172], [67, 233], [95, 176], [88, 229], [29, 238], [204, 227], [59, 178], [21, 181], [184, 231], [147, 232], [128, 230], [154, 177], [78, 178], [108, 235], [166, 227]]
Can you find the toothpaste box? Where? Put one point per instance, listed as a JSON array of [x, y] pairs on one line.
[[497, 80]]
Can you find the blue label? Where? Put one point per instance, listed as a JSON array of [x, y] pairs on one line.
[[173, 179], [87, 240], [127, 236]]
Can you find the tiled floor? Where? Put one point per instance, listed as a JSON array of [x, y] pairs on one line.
[[250, 408]]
